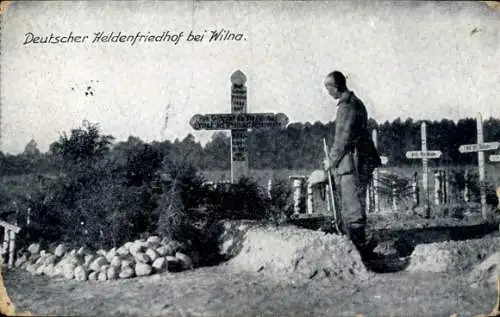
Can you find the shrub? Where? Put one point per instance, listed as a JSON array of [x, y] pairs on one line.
[[184, 214], [243, 200], [281, 200], [456, 211], [93, 201]]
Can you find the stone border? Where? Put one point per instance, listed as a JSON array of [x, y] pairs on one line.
[[141, 257]]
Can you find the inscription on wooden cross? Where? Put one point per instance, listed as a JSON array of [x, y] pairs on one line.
[[495, 158], [424, 155], [238, 121], [480, 147]]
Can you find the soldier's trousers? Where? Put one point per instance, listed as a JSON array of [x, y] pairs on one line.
[[351, 195]]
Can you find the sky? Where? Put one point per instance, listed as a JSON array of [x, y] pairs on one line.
[[425, 60]]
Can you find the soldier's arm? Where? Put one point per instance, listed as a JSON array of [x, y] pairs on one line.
[[344, 124]]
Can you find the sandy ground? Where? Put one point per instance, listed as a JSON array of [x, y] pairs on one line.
[[220, 291], [265, 285]]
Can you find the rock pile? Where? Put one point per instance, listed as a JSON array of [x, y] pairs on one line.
[[457, 256], [133, 259]]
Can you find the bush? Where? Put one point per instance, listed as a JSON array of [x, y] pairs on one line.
[[185, 215], [93, 201], [243, 200], [281, 200], [456, 211]]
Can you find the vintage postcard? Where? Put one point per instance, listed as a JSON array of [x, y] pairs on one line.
[[250, 158]]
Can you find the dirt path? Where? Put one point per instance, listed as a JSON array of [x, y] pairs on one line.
[[254, 283], [221, 291]]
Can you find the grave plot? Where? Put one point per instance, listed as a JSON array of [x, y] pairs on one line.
[[294, 253]]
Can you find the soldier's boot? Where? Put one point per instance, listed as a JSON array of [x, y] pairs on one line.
[[357, 234]]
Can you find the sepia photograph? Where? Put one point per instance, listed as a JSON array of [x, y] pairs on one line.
[[250, 158]]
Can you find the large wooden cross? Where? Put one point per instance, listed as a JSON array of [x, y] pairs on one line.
[[424, 155], [480, 147], [238, 121]]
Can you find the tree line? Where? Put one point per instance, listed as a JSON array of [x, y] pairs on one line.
[[298, 146]]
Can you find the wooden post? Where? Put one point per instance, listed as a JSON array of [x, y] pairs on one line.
[[415, 190], [376, 203], [466, 188], [297, 193], [269, 188], [238, 121], [328, 201], [28, 217], [310, 194], [423, 132], [394, 196], [480, 147], [9, 244], [372, 195], [447, 194], [5, 247], [12, 248], [375, 180], [480, 162], [437, 187], [424, 155], [368, 204]]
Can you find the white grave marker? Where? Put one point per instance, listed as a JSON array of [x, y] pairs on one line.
[[384, 160], [495, 158], [424, 155], [238, 121], [9, 242], [480, 147]]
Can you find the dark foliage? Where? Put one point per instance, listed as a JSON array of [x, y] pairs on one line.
[[298, 146]]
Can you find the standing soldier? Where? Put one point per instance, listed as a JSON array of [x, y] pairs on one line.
[[352, 158]]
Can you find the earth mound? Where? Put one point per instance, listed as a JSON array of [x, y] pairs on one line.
[[452, 256], [292, 251], [486, 272]]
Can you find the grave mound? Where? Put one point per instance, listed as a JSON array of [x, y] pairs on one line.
[[451, 256], [292, 251], [487, 272]]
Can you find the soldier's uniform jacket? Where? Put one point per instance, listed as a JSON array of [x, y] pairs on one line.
[[353, 149]]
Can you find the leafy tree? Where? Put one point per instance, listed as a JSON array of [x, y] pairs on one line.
[[216, 153], [84, 145]]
